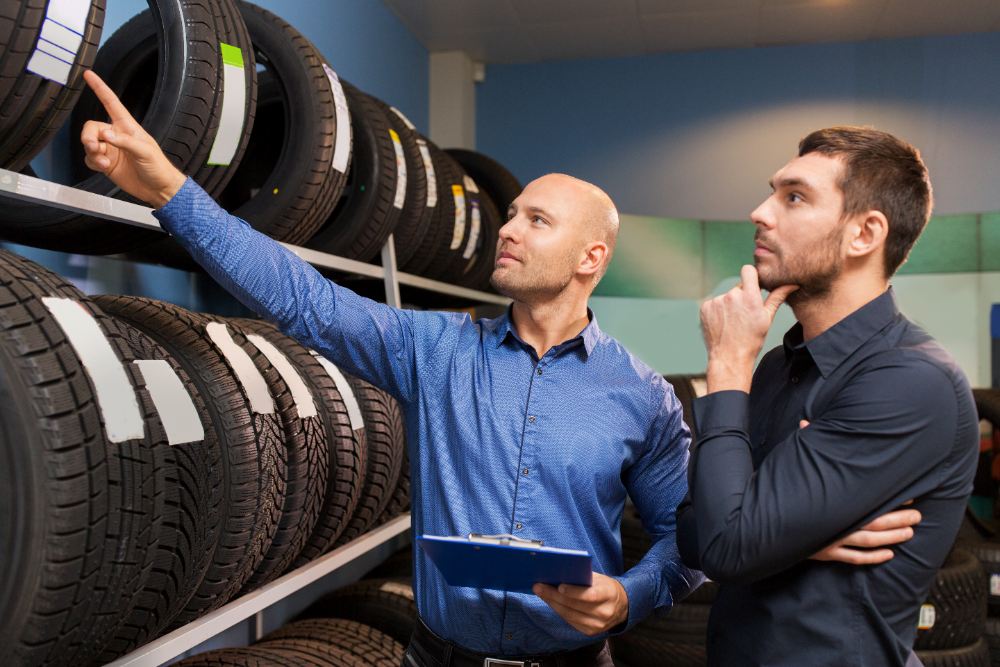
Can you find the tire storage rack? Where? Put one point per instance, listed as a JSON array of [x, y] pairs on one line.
[[953, 629], [123, 549]]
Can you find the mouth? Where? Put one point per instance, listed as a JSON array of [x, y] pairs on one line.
[[761, 250], [506, 258]]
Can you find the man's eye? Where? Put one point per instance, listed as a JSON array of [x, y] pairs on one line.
[[794, 197], [539, 220]]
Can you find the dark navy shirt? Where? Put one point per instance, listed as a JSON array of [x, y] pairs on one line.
[[500, 441], [892, 419]]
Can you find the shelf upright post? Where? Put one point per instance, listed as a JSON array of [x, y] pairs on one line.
[[391, 274]]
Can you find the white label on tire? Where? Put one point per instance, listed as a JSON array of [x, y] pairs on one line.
[[342, 145], [172, 401], [400, 170], [402, 117], [346, 393], [397, 588], [114, 393], [234, 112], [432, 186], [247, 374], [470, 185], [995, 584], [304, 403], [456, 238], [59, 40], [927, 617], [470, 247]]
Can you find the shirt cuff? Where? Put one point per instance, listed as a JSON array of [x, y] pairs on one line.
[[721, 411], [640, 588], [182, 206]]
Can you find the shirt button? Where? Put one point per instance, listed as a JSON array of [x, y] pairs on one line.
[[539, 371], [525, 471], [795, 379], [519, 525], [509, 635], [531, 419]]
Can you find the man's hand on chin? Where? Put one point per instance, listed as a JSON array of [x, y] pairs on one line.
[[734, 326], [591, 610]]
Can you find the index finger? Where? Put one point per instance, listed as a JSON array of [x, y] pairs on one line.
[[748, 278], [895, 519], [116, 110]]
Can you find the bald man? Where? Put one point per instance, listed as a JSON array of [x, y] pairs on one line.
[[534, 424]]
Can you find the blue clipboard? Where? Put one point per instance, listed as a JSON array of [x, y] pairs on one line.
[[505, 562]]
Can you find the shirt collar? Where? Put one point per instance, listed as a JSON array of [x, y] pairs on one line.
[[503, 329], [833, 346]]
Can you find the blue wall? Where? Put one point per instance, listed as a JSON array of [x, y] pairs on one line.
[[362, 39], [697, 135]]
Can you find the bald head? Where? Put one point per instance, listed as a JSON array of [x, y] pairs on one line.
[[588, 206]]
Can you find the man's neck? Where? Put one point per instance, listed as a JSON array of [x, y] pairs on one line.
[[818, 314], [547, 324]]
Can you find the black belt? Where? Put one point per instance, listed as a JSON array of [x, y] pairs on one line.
[[448, 654]]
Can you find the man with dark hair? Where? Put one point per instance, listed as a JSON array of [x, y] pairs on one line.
[[857, 413]]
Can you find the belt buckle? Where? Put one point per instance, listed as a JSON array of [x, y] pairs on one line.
[[489, 662]]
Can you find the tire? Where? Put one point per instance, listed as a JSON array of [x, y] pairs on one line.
[[303, 186], [345, 445], [370, 205], [456, 209], [33, 108], [482, 260], [992, 636], [253, 464], [182, 112], [988, 555], [255, 656], [976, 654], [320, 652], [384, 438], [362, 641], [85, 507], [305, 449], [675, 639], [958, 596], [417, 216], [191, 514], [686, 393], [434, 247], [398, 565], [399, 502], [494, 178], [384, 604]]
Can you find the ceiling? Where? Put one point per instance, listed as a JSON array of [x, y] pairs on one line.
[[510, 31]]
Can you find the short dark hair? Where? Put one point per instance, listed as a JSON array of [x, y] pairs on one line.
[[883, 173]]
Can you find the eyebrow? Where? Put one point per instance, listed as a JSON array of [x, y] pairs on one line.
[[531, 209], [791, 183]]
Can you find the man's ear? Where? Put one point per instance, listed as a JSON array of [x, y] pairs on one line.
[[594, 255], [868, 232]]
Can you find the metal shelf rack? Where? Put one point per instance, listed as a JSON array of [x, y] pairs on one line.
[[39, 191], [251, 616]]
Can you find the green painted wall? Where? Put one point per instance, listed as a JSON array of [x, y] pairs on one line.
[[663, 268]]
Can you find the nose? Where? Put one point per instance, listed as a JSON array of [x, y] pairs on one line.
[[508, 232], [763, 215]]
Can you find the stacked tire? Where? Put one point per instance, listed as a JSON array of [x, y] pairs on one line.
[[248, 107], [983, 542], [160, 462]]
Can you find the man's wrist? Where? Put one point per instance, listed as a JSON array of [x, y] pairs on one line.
[[729, 374], [174, 183]]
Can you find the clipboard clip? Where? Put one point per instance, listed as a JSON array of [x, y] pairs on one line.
[[505, 540]]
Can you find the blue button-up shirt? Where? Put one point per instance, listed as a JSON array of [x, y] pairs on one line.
[[499, 440]]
